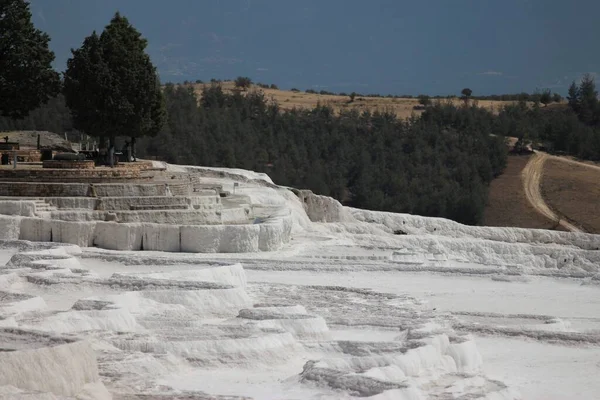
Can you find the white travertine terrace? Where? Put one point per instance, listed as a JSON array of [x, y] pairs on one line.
[[144, 217], [277, 293]]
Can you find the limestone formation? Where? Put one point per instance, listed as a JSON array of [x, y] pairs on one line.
[[135, 207]]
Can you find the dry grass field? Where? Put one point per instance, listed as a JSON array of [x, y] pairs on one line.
[[402, 107], [573, 190], [507, 204]]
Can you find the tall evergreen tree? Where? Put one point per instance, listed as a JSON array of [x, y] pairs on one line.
[[139, 108], [573, 97], [87, 88], [588, 100], [27, 79], [466, 94], [128, 99]]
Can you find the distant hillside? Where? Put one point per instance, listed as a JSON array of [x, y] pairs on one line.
[[567, 194], [507, 204], [402, 107], [571, 189]]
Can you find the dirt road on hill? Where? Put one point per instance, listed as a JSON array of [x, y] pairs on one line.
[[532, 176], [574, 162]]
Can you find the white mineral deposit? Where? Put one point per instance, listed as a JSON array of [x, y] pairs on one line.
[[275, 293]]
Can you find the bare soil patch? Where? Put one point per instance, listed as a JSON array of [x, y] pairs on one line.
[[532, 178], [507, 203], [572, 190]]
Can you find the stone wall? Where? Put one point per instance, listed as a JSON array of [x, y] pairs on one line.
[[129, 190], [139, 165], [68, 164], [55, 189], [23, 155], [34, 189], [126, 203], [77, 203], [25, 175]]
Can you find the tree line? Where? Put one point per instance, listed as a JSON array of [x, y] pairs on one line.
[[572, 128], [437, 165]]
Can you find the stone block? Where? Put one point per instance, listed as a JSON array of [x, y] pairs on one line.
[[200, 239], [160, 237], [78, 233], [10, 227], [115, 236], [36, 230], [17, 207]]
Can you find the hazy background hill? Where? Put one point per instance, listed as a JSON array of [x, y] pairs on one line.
[[386, 46]]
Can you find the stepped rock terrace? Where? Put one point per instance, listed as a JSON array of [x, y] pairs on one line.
[[135, 206]]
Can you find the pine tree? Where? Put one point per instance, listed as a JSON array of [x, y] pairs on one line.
[[573, 97], [588, 100], [27, 79]]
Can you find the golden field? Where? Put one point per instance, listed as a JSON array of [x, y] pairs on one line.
[[402, 107]]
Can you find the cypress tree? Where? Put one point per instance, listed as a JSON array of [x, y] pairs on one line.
[[588, 100], [86, 87], [573, 97], [27, 79], [114, 66]]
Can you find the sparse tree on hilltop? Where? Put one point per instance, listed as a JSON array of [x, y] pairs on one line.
[[115, 70], [536, 98], [27, 79], [243, 82], [588, 100], [557, 98], [546, 97], [352, 96], [466, 93], [573, 97], [424, 100]]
